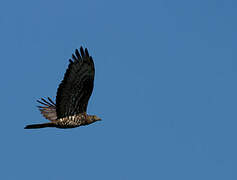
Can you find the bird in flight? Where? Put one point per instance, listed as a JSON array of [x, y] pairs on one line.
[[72, 97]]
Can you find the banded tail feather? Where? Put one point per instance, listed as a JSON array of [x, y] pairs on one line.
[[37, 126]]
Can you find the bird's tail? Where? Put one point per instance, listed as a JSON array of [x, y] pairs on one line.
[[37, 126]]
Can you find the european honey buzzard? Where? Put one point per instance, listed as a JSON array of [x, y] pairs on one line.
[[73, 95]]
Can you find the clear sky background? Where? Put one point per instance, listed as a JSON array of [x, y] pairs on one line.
[[165, 87]]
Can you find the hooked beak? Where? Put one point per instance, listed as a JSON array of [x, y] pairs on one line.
[[98, 119]]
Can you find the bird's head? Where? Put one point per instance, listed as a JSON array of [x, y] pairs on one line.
[[92, 119], [95, 118]]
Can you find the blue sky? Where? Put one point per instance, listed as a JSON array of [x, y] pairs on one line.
[[165, 87]]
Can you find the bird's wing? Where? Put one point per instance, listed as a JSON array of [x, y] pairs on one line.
[[75, 89], [48, 110]]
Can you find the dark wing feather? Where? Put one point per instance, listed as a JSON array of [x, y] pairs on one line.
[[48, 110], [75, 89]]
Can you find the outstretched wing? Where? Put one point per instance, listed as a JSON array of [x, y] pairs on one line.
[[48, 110], [75, 89]]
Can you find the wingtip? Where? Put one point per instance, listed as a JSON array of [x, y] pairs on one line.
[[77, 54], [87, 53], [82, 51]]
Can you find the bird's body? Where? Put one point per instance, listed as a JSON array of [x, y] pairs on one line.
[[73, 121], [73, 95], [66, 122]]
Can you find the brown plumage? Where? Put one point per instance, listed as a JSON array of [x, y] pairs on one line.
[[73, 95]]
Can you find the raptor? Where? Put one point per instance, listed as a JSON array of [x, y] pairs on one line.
[[73, 94]]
